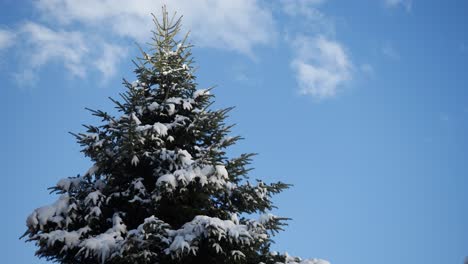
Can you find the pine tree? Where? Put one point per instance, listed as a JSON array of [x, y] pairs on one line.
[[162, 188]]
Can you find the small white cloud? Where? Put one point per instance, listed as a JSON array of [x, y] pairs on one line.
[[46, 45], [322, 66], [390, 52], [234, 25], [406, 4], [108, 61], [6, 38]]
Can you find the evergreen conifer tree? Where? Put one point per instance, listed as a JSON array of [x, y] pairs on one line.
[[162, 188]]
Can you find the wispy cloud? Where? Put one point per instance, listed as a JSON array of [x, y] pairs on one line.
[[307, 16], [322, 66], [320, 63], [235, 25], [45, 45], [79, 53], [406, 4], [6, 38], [78, 34], [109, 59]]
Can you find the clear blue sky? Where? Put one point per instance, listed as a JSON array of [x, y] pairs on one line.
[[362, 105]]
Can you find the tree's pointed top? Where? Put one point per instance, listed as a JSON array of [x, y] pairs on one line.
[[167, 28]]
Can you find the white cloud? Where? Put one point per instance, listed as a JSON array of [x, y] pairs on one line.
[[321, 65], [107, 63], [307, 17], [45, 45], [234, 25], [6, 38], [407, 4], [78, 34], [76, 51]]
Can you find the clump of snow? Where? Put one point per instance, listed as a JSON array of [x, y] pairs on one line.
[[217, 247], [265, 218], [185, 157], [70, 239], [200, 92], [138, 185], [135, 160], [69, 183], [135, 119], [138, 85], [187, 105], [260, 190], [143, 128], [104, 245], [53, 213], [237, 254], [174, 100], [91, 171], [191, 172], [153, 106], [184, 67], [184, 240], [221, 171], [296, 260], [94, 197], [152, 223], [234, 218], [160, 129], [167, 179], [170, 108], [98, 143]]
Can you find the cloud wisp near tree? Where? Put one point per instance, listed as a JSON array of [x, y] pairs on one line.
[[162, 188]]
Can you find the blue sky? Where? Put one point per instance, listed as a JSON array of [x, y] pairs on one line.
[[362, 105]]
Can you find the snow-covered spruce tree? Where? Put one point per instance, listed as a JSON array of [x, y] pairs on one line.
[[162, 189]]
